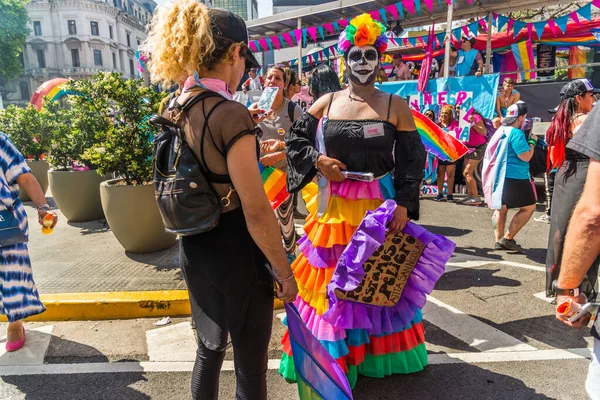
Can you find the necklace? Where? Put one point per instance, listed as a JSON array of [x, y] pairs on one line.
[[276, 111], [355, 98]]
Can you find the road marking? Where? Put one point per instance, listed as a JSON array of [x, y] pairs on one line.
[[186, 366], [32, 353], [454, 265], [172, 343], [470, 330], [542, 296]]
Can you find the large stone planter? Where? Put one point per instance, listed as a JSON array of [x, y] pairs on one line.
[[39, 169], [133, 217], [77, 194]]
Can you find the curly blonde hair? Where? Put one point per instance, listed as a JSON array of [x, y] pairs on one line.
[[180, 42]]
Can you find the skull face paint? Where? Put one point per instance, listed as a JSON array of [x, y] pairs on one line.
[[363, 65]]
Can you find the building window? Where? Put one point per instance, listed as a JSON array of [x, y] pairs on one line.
[[110, 31], [128, 40], [22, 59], [114, 60], [131, 67], [72, 27], [138, 42], [41, 58], [98, 57], [24, 87], [94, 26], [75, 57], [37, 28]]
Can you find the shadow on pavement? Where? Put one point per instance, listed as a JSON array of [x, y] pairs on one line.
[[545, 329], [91, 227], [467, 278], [454, 381], [537, 255], [479, 252], [163, 260], [447, 231], [76, 386]]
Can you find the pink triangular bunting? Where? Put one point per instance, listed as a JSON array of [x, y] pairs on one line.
[[552, 26], [429, 4], [313, 33], [329, 27], [575, 18], [409, 5], [252, 46], [530, 30], [394, 11], [298, 35], [275, 42], [287, 36]]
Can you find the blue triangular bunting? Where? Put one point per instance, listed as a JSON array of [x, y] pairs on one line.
[[336, 26], [502, 21], [304, 33], [474, 27], [326, 52], [321, 31], [562, 22], [400, 11], [413, 42], [270, 43], [539, 27], [418, 6], [457, 33], [518, 26], [586, 12], [441, 37], [383, 16]]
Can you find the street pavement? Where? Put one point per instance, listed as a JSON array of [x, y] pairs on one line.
[[490, 332]]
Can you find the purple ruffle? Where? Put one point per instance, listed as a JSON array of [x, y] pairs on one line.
[[320, 257], [349, 272]]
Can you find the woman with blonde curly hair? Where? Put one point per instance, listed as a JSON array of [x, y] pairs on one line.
[[231, 291]]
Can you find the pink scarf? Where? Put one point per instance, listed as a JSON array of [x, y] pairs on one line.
[[214, 85]]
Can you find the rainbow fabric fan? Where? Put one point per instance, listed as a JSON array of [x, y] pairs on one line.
[[274, 183], [437, 142]]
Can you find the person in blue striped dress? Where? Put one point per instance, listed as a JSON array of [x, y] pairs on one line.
[[19, 297]]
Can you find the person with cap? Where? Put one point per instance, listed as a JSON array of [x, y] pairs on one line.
[[400, 72], [253, 82], [582, 245], [231, 292], [577, 99], [506, 180], [468, 60]]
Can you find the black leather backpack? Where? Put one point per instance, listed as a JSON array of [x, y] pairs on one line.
[[186, 200]]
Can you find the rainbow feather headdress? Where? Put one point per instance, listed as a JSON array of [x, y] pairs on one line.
[[363, 31]]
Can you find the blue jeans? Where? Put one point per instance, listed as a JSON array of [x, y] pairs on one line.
[[592, 384]]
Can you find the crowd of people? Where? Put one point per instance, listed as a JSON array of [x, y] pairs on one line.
[[352, 128]]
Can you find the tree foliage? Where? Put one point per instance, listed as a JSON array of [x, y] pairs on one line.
[[29, 130], [118, 112], [14, 23]]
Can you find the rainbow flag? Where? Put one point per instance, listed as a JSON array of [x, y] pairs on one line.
[[523, 53], [274, 183], [439, 143], [319, 376]]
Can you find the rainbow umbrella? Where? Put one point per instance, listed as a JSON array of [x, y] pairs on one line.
[[319, 376]]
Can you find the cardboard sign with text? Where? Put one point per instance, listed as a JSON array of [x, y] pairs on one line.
[[386, 272]]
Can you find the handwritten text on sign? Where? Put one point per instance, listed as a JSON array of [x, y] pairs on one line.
[[435, 101], [386, 272]]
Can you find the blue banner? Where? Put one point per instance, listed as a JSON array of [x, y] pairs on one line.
[[444, 90]]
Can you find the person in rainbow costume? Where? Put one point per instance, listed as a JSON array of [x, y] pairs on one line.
[[359, 129]]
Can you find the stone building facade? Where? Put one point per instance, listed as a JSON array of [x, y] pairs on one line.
[[77, 39]]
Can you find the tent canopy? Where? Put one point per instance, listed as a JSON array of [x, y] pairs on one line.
[[345, 9]]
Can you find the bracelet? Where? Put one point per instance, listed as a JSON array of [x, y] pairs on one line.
[[317, 161], [288, 278], [43, 207], [281, 145], [532, 142]]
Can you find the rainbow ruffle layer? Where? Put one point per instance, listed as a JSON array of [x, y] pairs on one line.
[[368, 340]]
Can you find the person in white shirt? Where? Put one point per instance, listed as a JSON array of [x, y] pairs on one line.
[[253, 82]]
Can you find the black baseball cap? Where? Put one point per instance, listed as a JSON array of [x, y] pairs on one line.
[[577, 87], [514, 111], [229, 26]]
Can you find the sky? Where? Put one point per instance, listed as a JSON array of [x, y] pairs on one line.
[[265, 7]]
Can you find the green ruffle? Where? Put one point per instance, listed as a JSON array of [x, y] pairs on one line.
[[287, 368], [406, 362]]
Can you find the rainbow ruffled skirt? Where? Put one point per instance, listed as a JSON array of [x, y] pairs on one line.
[[364, 339]]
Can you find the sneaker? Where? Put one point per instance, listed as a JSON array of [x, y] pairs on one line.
[[472, 201], [510, 244], [498, 246], [544, 218], [439, 197], [450, 198]]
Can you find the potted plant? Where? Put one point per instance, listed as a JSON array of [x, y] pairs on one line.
[[74, 182], [126, 151], [28, 129]]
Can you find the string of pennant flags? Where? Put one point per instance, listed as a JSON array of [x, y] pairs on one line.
[[557, 25]]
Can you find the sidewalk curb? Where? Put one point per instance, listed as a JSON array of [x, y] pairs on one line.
[[115, 305]]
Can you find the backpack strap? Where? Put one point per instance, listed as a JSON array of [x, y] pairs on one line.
[[291, 108]]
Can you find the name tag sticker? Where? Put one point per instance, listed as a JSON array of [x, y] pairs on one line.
[[460, 60], [373, 130]]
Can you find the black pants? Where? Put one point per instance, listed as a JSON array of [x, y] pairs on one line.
[[231, 293]]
